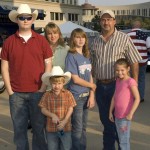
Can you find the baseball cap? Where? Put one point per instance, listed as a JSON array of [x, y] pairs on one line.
[[110, 12]]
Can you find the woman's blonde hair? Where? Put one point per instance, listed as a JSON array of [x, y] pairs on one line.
[[79, 32], [53, 27]]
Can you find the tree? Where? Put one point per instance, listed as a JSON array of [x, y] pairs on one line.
[[95, 22]]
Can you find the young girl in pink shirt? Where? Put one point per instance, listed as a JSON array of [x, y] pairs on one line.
[[124, 102]]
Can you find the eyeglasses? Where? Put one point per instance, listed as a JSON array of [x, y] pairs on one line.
[[23, 18]]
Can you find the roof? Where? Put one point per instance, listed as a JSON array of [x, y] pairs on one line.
[[69, 26]]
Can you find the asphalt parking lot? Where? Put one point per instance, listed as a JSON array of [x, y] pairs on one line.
[[140, 128]]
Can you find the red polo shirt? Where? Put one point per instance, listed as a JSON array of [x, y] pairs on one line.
[[26, 61]]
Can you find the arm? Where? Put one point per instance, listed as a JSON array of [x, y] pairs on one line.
[[135, 93], [77, 80], [135, 71], [47, 113], [5, 75], [65, 120], [112, 106], [91, 100], [48, 67]]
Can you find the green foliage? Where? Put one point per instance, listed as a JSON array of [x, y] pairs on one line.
[[95, 22]]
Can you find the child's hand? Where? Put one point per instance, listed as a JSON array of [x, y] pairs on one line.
[[91, 102], [129, 116], [93, 87], [61, 124], [55, 119], [111, 118]]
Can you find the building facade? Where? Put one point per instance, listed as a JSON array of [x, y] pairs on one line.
[[58, 11], [121, 12]]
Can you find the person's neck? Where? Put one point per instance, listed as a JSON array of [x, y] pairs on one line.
[[53, 46], [125, 78], [25, 32], [107, 34], [79, 50]]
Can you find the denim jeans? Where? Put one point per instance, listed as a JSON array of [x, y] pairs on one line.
[[104, 93], [123, 129], [56, 142], [141, 81], [23, 105], [79, 123]]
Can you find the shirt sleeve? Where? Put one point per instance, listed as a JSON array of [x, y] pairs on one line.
[[43, 102], [71, 64], [148, 42], [131, 53], [46, 49], [5, 51], [132, 82]]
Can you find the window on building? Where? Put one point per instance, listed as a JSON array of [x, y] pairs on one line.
[[69, 17], [138, 12], [146, 12], [63, 1], [56, 16], [117, 12], [61, 16], [75, 2], [73, 17], [52, 16], [83, 12], [76, 17]]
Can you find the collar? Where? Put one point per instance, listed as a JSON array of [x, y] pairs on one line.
[[63, 90], [33, 33], [113, 34]]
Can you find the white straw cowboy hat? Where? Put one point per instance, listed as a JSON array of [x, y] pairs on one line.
[[22, 9], [56, 71]]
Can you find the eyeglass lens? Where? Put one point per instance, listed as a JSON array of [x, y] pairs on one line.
[[22, 18]]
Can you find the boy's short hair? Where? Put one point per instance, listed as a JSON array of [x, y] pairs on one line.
[[57, 79]]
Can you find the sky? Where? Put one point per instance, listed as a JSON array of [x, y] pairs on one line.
[[112, 2]]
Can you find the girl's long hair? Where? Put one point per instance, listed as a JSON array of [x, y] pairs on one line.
[[53, 27], [79, 32]]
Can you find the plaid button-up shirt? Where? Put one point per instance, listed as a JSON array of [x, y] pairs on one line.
[[58, 105]]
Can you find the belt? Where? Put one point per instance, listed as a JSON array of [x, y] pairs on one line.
[[106, 81], [84, 94]]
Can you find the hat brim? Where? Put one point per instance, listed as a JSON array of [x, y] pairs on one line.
[[46, 76], [13, 15]]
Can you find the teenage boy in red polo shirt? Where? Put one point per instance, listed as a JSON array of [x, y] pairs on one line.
[[25, 55]]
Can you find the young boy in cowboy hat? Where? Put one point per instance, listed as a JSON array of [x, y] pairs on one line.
[[26, 55], [57, 104]]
